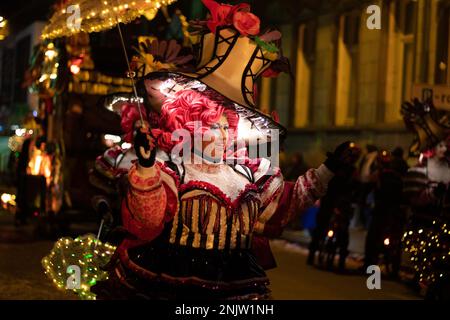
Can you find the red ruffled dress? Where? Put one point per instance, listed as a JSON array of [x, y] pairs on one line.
[[200, 231]]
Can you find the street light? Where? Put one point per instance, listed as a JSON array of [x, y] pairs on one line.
[[3, 28]]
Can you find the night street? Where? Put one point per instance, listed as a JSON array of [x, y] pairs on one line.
[[181, 149], [293, 279], [22, 277]]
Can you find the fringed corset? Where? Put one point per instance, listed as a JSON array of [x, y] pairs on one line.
[[208, 219]]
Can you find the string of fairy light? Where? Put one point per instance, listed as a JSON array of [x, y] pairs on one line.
[[95, 16], [429, 251], [86, 252]]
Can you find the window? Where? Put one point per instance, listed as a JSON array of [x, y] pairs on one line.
[[304, 67], [406, 26], [348, 58], [442, 69], [400, 57]]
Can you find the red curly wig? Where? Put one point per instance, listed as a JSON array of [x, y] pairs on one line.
[[187, 108]]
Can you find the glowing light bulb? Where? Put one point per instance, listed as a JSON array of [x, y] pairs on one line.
[[126, 145], [330, 233], [6, 197], [74, 69], [43, 78], [50, 53], [37, 164]]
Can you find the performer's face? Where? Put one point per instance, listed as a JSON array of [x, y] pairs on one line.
[[441, 149], [216, 139]]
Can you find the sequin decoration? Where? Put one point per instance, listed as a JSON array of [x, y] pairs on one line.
[[75, 265]]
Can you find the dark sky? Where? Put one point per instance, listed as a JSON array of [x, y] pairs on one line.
[[21, 13]]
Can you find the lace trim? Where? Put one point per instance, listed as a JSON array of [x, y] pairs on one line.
[[191, 185]]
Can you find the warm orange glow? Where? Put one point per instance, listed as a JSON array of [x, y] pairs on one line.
[[8, 200], [386, 241], [74, 69], [6, 197], [330, 233], [40, 165], [37, 165]]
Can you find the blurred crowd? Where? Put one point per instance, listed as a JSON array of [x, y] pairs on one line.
[[369, 195]]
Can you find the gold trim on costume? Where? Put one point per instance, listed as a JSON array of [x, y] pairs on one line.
[[246, 211], [223, 227], [184, 235], [209, 241], [173, 231], [195, 215], [234, 230], [196, 242], [212, 218]]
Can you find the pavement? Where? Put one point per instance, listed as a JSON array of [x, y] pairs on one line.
[[294, 280], [22, 276], [357, 239]]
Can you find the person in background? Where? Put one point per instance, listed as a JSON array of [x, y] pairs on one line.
[[21, 172], [388, 219], [297, 167], [366, 169], [339, 196], [398, 162], [23, 160]]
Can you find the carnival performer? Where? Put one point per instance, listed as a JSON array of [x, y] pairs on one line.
[[191, 224], [199, 205], [426, 187], [427, 182]]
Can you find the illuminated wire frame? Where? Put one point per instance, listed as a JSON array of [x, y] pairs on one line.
[[94, 16], [425, 121], [76, 264]]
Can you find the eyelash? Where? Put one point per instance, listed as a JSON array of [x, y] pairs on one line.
[[215, 127]]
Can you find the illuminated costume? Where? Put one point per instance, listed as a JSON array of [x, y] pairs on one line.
[[191, 225], [200, 230], [426, 187]]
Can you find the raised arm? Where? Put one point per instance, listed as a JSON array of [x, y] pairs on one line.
[[151, 199], [281, 200]]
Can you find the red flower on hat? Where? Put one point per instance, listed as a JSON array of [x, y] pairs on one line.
[[239, 16], [220, 14], [246, 23]]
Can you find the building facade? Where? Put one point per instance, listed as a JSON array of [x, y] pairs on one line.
[[351, 79]]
